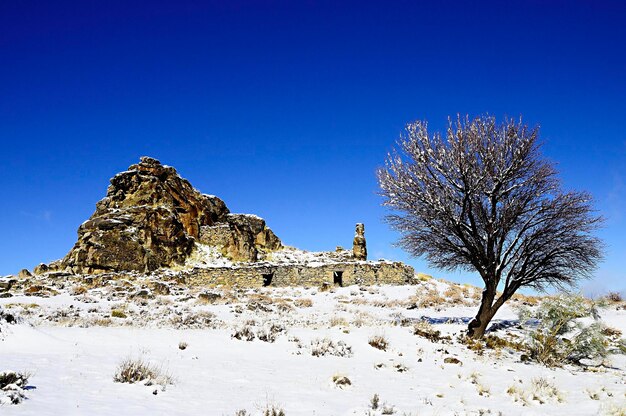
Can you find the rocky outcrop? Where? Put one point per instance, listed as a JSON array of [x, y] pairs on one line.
[[151, 218], [241, 238]]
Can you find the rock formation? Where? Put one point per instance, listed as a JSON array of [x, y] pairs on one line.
[[151, 218], [359, 247]]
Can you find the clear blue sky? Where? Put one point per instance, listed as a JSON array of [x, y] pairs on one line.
[[286, 109]]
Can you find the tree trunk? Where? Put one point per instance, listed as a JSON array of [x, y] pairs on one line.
[[478, 325]]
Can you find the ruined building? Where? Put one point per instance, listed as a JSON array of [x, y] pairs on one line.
[[151, 219]]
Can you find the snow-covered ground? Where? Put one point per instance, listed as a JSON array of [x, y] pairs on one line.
[[73, 342]]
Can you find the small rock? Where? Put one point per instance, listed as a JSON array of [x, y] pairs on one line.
[[452, 360]]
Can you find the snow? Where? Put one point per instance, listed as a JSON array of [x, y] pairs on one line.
[[73, 366], [205, 256]]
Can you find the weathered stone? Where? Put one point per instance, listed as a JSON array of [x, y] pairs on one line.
[[41, 268], [160, 288], [24, 274], [241, 237], [209, 297], [359, 247], [6, 284], [149, 219], [349, 272]]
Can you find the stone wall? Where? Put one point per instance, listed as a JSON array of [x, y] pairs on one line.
[[216, 235], [343, 273]]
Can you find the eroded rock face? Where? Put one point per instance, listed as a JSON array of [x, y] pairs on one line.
[[241, 237], [151, 218]]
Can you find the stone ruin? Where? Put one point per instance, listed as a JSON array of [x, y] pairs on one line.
[[359, 248], [151, 219]]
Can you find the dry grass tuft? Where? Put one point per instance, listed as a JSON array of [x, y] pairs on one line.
[[379, 342], [303, 303], [118, 313], [135, 370], [338, 321], [425, 330]]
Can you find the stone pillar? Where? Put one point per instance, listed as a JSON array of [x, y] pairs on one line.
[[359, 248]]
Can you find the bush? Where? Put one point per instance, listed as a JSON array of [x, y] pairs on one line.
[[614, 297], [540, 390], [11, 377], [190, 319], [425, 330], [270, 331], [267, 332], [12, 385], [559, 336], [375, 402], [118, 313], [326, 346], [245, 332], [303, 303]]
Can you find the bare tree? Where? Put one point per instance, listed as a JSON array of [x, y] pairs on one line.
[[483, 199]]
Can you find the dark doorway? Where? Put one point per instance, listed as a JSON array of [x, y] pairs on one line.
[[267, 279], [338, 278]]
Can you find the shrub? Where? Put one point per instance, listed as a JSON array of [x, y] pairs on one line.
[[190, 319], [245, 332], [338, 321], [341, 381], [387, 410], [270, 331], [326, 346], [182, 345], [12, 385], [425, 330], [303, 303], [374, 402], [542, 390], [559, 336], [11, 377], [135, 370], [518, 394], [118, 313], [267, 332], [379, 342], [614, 297]]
